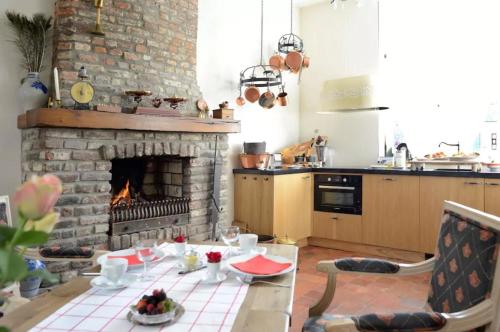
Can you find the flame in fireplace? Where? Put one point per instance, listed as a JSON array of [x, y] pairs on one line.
[[123, 196]]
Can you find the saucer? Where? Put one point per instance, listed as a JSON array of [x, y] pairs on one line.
[[220, 278], [104, 284], [256, 251]]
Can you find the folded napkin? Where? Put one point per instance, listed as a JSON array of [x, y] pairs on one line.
[[261, 265], [132, 259]]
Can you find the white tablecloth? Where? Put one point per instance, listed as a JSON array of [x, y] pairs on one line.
[[208, 307]]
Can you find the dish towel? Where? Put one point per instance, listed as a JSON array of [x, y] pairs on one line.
[[261, 265]]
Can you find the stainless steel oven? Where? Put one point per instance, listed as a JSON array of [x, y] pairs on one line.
[[338, 193]]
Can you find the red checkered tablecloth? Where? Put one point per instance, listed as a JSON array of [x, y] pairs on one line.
[[209, 307]]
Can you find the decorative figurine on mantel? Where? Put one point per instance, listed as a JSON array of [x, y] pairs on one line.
[[82, 91]]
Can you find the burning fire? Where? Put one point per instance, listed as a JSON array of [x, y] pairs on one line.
[[123, 195]]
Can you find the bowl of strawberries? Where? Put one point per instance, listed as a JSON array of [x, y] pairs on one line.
[[156, 308]]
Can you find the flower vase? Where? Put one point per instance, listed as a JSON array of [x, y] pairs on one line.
[[29, 286], [213, 270], [180, 248], [33, 93]]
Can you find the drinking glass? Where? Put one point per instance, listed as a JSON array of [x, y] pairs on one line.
[[230, 234], [145, 251]]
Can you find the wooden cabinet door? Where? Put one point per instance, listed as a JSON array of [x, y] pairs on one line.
[[266, 194], [433, 192], [391, 211], [337, 226], [293, 205], [492, 196], [247, 201]]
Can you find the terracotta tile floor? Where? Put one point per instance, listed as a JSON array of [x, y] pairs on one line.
[[354, 295]]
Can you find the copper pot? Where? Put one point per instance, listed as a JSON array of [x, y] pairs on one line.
[[306, 62], [255, 160], [252, 94], [267, 99], [277, 61], [282, 100], [240, 101], [294, 61]]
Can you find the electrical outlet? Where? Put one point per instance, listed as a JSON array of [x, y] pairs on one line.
[[494, 141]]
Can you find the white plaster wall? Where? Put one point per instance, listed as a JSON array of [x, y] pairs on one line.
[[11, 74], [340, 43], [228, 42]]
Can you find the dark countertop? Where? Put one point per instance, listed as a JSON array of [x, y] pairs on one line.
[[361, 170]]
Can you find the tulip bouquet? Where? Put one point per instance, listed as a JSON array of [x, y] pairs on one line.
[[36, 218]]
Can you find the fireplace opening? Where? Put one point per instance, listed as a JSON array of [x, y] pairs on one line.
[[147, 194]]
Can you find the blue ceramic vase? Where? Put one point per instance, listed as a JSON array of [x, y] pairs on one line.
[[32, 93], [30, 285]]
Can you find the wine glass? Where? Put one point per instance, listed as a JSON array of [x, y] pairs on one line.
[[145, 251], [230, 234]]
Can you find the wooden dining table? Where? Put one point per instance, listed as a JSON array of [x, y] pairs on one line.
[[265, 307]]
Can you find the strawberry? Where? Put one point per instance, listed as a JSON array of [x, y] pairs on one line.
[[150, 308]]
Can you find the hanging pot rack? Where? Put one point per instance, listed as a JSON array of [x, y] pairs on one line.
[[261, 75], [290, 42]]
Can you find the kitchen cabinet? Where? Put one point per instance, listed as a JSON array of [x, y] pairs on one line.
[[434, 191], [274, 205], [337, 226], [391, 211], [492, 196]]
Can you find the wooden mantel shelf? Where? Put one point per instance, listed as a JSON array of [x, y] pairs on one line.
[[65, 118]]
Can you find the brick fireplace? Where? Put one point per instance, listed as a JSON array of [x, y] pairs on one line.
[[175, 167]]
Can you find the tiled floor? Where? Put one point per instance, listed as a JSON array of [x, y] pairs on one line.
[[354, 294]]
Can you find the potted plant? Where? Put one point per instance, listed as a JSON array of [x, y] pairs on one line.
[[36, 218], [31, 39]]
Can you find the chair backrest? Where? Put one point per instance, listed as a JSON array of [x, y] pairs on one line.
[[466, 260]]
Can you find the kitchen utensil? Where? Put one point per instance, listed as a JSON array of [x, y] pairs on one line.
[[294, 61], [282, 100], [255, 160], [240, 101], [249, 281], [306, 61], [277, 61], [267, 99], [193, 270], [252, 94], [254, 147]]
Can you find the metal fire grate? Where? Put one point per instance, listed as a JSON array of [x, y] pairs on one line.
[[138, 216]]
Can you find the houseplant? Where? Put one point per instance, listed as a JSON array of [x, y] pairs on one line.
[[31, 39], [36, 218]]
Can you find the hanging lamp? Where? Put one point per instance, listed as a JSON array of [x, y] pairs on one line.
[[292, 46], [259, 76]]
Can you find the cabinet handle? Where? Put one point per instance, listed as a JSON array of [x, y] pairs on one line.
[[389, 179], [472, 183], [306, 177], [244, 178], [255, 179], [492, 184], [266, 179], [335, 218]]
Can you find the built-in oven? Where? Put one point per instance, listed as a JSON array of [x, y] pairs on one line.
[[338, 193]]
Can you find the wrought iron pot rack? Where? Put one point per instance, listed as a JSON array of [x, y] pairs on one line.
[[290, 42], [261, 76]]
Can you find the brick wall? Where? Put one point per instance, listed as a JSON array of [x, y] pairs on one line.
[[149, 44], [82, 159]]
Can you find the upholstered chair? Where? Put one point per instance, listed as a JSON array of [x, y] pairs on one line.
[[464, 292]]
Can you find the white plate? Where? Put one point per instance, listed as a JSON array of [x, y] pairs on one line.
[[255, 251], [220, 278], [243, 258], [128, 252], [104, 284]]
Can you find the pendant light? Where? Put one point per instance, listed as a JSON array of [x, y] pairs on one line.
[[260, 76], [292, 46]]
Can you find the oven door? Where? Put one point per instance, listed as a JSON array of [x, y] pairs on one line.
[[337, 198]]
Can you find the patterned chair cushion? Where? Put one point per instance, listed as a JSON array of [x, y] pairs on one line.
[[465, 263], [403, 322], [366, 265]]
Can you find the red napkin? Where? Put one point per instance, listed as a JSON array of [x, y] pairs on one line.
[[132, 259], [261, 265]]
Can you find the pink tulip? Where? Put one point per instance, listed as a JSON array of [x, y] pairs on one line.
[[37, 197]]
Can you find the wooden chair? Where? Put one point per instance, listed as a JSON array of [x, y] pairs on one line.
[[464, 292]]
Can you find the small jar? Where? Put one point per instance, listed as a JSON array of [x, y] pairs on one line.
[[191, 260]]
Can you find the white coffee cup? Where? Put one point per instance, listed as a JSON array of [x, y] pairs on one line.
[[248, 242], [113, 269]]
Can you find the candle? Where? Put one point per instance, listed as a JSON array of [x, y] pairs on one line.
[[56, 84]]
